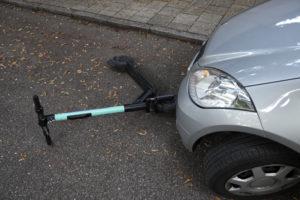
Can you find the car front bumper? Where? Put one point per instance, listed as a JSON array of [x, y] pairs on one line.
[[194, 122]]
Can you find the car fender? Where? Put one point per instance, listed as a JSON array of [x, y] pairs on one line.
[[278, 107]]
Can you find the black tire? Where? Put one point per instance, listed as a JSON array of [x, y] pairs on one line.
[[242, 153]]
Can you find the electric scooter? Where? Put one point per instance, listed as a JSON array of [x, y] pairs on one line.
[[148, 101]]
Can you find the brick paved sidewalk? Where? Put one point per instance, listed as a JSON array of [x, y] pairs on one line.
[[187, 19]]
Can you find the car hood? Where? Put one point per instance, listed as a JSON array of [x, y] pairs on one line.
[[261, 45]]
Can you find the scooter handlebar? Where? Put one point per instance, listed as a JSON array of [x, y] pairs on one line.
[[42, 119]]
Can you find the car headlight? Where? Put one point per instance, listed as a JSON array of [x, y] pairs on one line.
[[212, 88]]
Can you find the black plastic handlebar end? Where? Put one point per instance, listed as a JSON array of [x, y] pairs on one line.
[[48, 140], [36, 101]]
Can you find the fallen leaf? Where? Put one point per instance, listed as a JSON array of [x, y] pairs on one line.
[[23, 156], [142, 132], [145, 152], [65, 92], [188, 180]]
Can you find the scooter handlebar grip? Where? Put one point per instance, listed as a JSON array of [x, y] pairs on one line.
[[37, 104]]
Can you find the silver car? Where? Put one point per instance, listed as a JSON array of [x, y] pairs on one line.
[[242, 94]]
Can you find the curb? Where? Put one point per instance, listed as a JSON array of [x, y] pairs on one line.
[[107, 20]]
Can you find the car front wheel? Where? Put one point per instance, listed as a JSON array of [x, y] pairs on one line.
[[248, 166]]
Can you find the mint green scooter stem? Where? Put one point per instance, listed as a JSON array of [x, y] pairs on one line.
[[89, 113]]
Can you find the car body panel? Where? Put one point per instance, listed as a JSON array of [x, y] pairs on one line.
[[259, 46], [278, 106]]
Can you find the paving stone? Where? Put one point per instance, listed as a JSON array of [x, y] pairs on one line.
[[137, 5], [170, 11], [178, 4], [80, 7], [110, 9], [209, 18], [200, 3], [161, 20], [248, 3], [108, 12], [138, 18], [126, 13], [194, 10], [222, 3], [179, 26], [148, 13], [68, 4], [157, 5], [216, 10], [112, 6], [88, 3], [96, 8], [203, 28], [185, 19]]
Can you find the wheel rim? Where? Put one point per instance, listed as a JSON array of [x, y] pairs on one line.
[[263, 180]]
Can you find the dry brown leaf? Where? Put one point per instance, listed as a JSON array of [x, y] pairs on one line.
[[142, 132], [188, 180], [23, 156]]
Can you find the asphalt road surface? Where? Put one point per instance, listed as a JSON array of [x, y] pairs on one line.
[[124, 156]]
